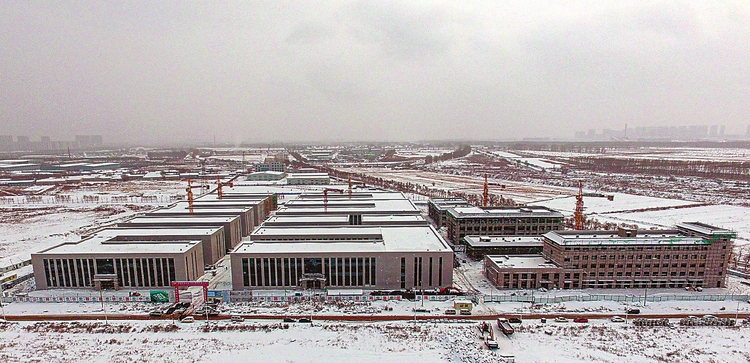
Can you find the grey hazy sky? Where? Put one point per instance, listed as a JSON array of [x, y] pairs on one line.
[[252, 71]]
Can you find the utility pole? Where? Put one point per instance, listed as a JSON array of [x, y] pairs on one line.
[[101, 298], [2, 295]]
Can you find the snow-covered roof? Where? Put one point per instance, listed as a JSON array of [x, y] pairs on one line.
[[492, 241], [307, 176], [343, 239], [342, 220], [503, 212], [387, 206], [110, 233], [703, 228], [447, 203], [597, 238], [100, 246], [181, 220], [521, 261]]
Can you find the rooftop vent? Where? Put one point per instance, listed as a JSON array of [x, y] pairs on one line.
[[627, 232]]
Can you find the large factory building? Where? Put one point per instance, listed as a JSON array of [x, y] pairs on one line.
[[367, 240]]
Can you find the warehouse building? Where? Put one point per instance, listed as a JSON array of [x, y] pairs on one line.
[[212, 238], [232, 227], [693, 254], [266, 176], [344, 257], [501, 221], [103, 263], [437, 209], [370, 240], [246, 214], [308, 179]]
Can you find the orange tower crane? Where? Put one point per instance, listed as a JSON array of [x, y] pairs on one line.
[[578, 215], [220, 185], [190, 196], [486, 194]]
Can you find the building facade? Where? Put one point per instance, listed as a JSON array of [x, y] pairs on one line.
[[501, 221], [437, 209], [691, 255]]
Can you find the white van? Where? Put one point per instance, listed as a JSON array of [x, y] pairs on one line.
[[188, 319], [237, 319]]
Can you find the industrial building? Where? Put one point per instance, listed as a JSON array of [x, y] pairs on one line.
[[105, 263], [479, 246], [308, 179], [266, 176], [365, 240], [171, 244], [693, 254], [501, 221], [212, 238], [437, 209], [231, 227]]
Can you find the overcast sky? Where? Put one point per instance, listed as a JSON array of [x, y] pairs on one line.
[[252, 71]]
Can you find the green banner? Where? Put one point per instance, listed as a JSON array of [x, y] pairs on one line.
[[159, 296]]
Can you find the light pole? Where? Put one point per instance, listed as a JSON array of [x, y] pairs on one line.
[[2, 295], [101, 298], [736, 313]]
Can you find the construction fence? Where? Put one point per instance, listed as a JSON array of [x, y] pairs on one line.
[[617, 298]]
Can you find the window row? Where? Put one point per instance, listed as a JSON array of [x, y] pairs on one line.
[[130, 272]]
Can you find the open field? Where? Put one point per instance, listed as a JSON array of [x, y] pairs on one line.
[[30, 222], [598, 341]]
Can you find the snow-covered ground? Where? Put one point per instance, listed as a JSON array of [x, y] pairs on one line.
[[621, 202], [56, 217], [269, 341]]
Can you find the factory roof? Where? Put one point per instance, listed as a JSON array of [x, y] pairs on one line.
[[155, 232], [447, 203], [307, 175], [388, 206], [342, 220], [181, 220], [601, 238], [102, 245], [503, 212], [522, 261], [183, 207], [343, 239], [705, 229], [497, 241]]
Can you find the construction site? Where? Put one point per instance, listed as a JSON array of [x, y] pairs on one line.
[[229, 240]]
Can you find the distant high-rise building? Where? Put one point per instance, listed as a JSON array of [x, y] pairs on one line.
[[721, 130], [747, 133], [84, 141], [6, 142]]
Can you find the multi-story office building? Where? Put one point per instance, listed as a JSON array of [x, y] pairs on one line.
[[437, 209], [693, 254], [501, 221]]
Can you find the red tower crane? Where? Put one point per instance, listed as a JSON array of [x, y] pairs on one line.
[[578, 215], [325, 197], [190, 196], [486, 194], [220, 185]]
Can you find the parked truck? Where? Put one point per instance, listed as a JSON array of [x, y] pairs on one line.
[[505, 326]]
